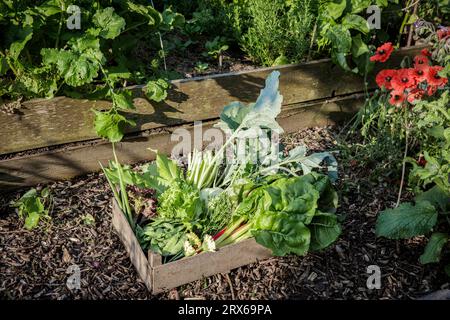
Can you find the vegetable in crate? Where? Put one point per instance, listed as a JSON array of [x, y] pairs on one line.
[[277, 199]]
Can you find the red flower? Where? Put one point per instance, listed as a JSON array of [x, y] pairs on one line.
[[415, 94], [403, 79], [420, 74], [431, 90], [397, 98], [421, 62], [443, 33], [425, 53], [383, 52], [434, 79], [384, 78]]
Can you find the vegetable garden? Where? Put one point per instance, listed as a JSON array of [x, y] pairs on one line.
[[217, 149]]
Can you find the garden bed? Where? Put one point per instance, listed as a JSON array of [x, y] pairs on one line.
[[54, 139], [34, 263]]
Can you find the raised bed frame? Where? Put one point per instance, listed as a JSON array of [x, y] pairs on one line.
[[159, 277], [60, 134]]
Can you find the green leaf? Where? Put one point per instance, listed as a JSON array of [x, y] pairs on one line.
[[270, 99], [281, 60], [437, 197], [406, 221], [152, 15], [110, 125], [32, 220], [232, 115], [25, 34], [355, 22], [171, 20], [412, 18], [340, 38], [109, 23], [360, 5], [167, 168], [432, 253], [4, 67], [88, 219], [282, 233], [335, 9], [294, 196], [78, 66], [358, 46], [122, 100], [340, 59], [156, 90], [262, 113], [324, 230], [383, 3]]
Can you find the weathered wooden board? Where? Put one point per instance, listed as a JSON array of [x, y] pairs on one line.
[[131, 244], [70, 162], [160, 277], [171, 275], [49, 122]]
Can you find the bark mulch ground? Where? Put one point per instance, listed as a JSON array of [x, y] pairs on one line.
[[34, 264]]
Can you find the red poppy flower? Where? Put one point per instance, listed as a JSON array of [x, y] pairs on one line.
[[403, 79], [421, 62], [431, 90], [433, 78], [443, 33], [384, 78], [420, 74], [383, 52], [425, 53], [397, 98], [415, 94]]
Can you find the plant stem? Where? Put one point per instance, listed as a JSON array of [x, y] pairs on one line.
[[123, 191], [161, 43], [61, 19], [113, 187], [404, 161], [405, 20], [229, 231], [240, 234], [411, 27]]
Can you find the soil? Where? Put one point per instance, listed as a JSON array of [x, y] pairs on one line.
[[34, 264]]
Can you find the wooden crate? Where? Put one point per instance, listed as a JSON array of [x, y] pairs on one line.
[[159, 277]]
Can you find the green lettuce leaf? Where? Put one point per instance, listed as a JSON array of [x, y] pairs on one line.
[[282, 233], [325, 230]]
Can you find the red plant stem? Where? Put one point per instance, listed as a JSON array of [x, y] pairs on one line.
[[230, 230], [218, 234], [240, 234]]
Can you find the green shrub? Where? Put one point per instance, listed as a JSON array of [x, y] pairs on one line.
[[275, 29]]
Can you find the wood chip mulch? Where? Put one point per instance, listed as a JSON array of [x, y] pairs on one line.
[[34, 264]]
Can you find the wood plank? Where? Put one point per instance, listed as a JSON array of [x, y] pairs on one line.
[[131, 245], [50, 122], [71, 162], [177, 273]]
